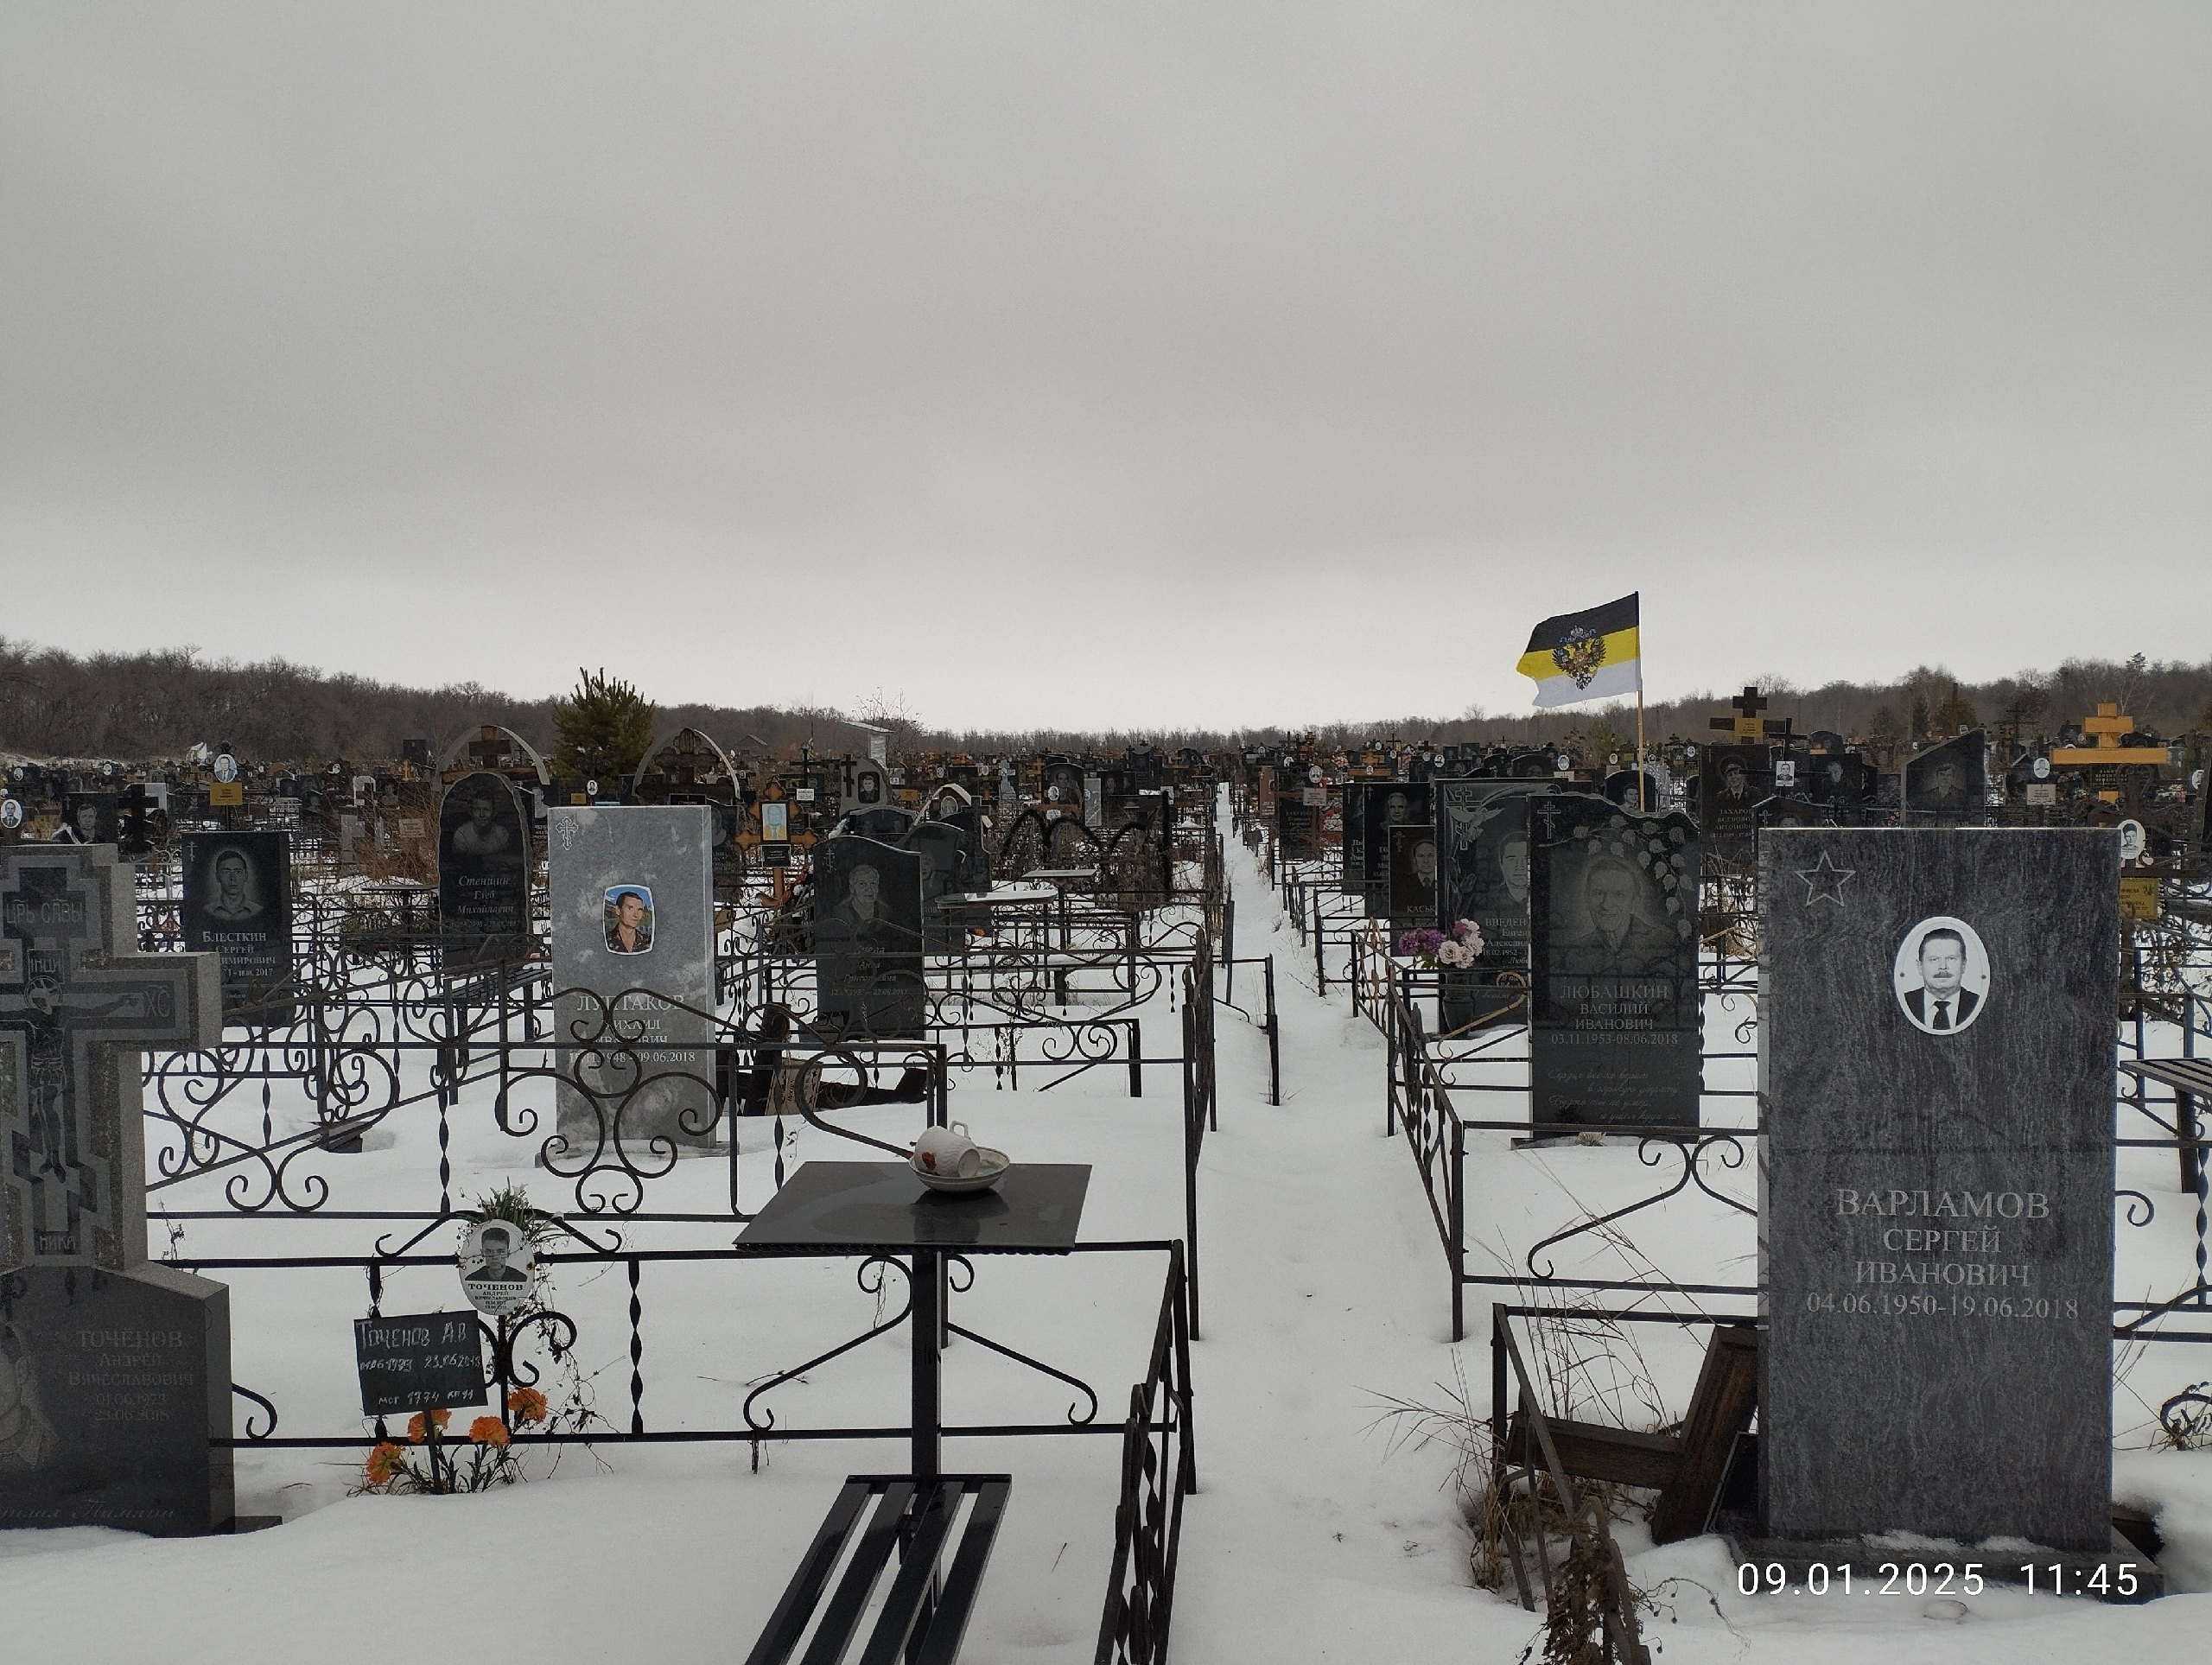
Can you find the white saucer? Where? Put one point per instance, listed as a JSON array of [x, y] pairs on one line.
[[994, 1169]]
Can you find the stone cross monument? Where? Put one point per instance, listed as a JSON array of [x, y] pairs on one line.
[[114, 1372]]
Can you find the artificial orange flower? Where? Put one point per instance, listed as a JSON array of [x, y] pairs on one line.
[[526, 1406], [386, 1460], [416, 1432], [488, 1431]]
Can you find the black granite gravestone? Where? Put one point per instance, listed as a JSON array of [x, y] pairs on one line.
[[1947, 785], [867, 938], [483, 872], [238, 905], [1614, 1031], [1413, 877], [87, 818], [1483, 826], [1388, 804], [1298, 824], [114, 1375], [1732, 781], [944, 858], [1839, 779], [1935, 1230], [1351, 873]]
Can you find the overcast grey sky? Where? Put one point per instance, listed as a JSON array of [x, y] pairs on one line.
[[1106, 364]]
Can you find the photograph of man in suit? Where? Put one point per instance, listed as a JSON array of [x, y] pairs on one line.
[[1942, 1003], [627, 929], [1618, 940]]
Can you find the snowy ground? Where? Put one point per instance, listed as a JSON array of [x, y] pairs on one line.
[[1312, 1537]]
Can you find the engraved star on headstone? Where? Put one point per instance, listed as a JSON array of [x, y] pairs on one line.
[[1824, 880]]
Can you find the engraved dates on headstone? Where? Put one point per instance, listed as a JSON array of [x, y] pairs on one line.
[[237, 906], [1936, 1055]]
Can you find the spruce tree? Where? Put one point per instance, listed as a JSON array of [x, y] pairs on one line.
[[604, 726]]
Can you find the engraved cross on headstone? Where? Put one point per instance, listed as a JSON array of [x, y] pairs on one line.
[[78, 1003]]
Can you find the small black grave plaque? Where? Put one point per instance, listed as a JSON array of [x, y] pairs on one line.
[[428, 1360]]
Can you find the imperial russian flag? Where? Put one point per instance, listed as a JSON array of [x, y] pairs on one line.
[[1586, 656]]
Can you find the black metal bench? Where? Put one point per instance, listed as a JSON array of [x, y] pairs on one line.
[[920, 1622]]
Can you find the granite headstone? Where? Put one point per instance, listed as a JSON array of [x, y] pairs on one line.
[[1388, 804], [238, 905], [115, 1374], [631, 891], [867, 938], [483, 872], [1484, 829], [1937, 1050], [1732, 781], [1614, 1032], [1946, 784]]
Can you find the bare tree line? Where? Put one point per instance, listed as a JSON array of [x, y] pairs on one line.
[[158, 705]]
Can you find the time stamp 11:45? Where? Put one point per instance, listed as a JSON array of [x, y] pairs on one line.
[[1935, 1578]]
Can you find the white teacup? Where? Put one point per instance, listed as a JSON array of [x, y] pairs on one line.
[[949, 1153]]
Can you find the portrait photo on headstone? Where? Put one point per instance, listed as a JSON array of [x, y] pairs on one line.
[[238, 904], [1484, 829], [1943, 975], [497, 1266], [28, 1440], [1949, 782], [483, 869], [629, 920], [1413, 871], [1614, 1026], [88, 818]]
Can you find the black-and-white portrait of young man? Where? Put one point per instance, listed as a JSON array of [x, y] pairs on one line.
[[1943, 975], [496, 1263]]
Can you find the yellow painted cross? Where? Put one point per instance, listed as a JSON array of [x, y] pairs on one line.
[[2108, 726]]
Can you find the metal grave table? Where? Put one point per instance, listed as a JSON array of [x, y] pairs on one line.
[[881, 1210]]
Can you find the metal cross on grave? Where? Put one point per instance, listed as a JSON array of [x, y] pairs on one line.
[[78, 1003], [1745, 725]]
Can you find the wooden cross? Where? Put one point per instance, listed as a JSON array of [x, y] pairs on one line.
[[2107, 727], [78, 1003], [488, 750]]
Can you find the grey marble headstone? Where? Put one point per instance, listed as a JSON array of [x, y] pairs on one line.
[[1935, 1227], [650, 968], [1614, 1031], [114, 1375]]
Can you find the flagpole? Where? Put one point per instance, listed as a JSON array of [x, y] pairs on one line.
[[1643, 780]]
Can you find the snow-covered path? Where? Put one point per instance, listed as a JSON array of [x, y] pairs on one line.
[[1324, 1295]]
